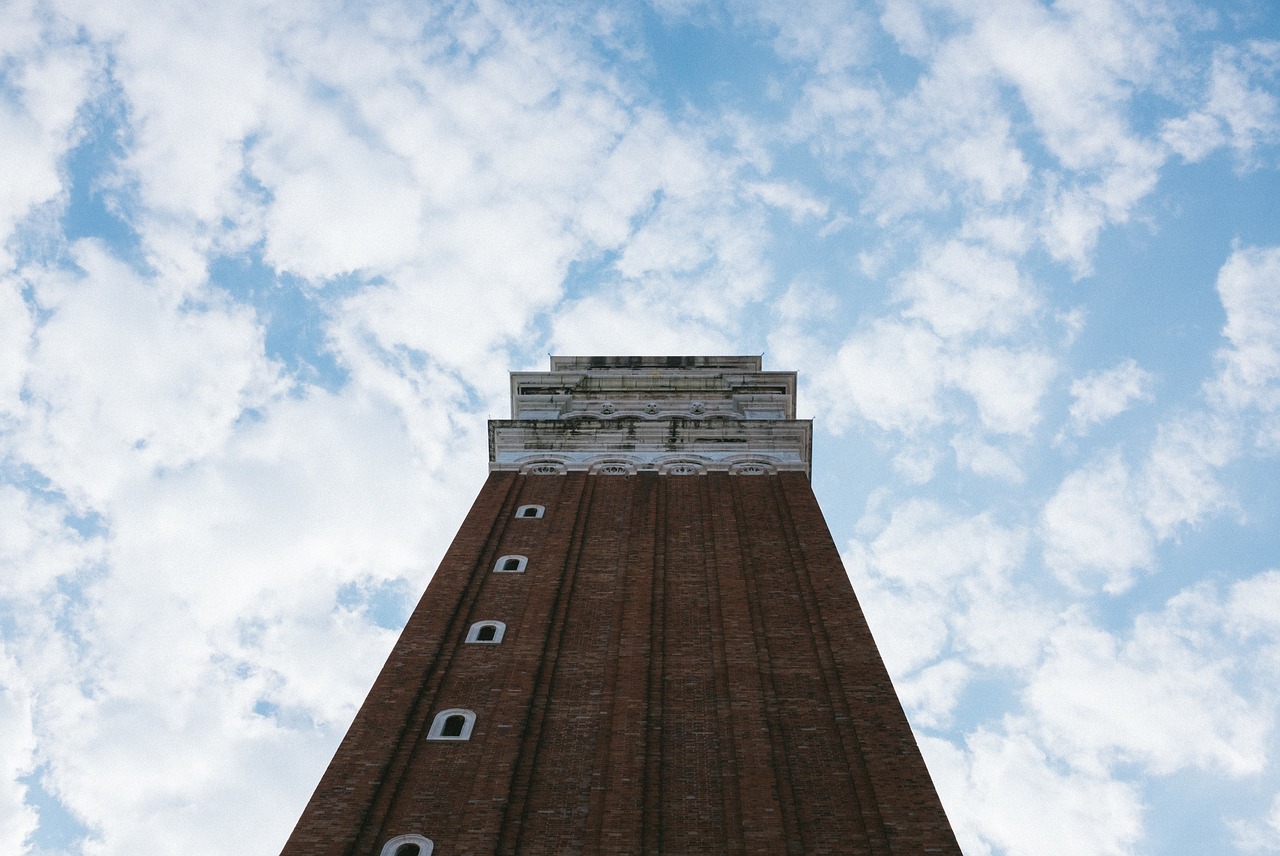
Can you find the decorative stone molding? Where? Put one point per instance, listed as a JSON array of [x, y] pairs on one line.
[[543, 468], [592, 413], [613, 468], [682, 468]]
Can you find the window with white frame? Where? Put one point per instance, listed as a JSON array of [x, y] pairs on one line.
[[408, 845], [487, 632], [511, 564], [452, 724], [530, 511]]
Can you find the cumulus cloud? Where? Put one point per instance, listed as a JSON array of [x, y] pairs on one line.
[[1165, 697], [985, 459], [454, 189], [1239, 107], [963, 289], [1006, 385], [1180, 478], [897, 376], [237, 605], [1260, 837], [1187, 686], [1093, 528], [952, 579], [125, 377], [1249, 287], [1071, 69], [18, 818], [1102, 395], [47, 77], [889, 374], [1018, 800]]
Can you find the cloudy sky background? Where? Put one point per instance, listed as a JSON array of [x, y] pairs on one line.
[[264, 267]]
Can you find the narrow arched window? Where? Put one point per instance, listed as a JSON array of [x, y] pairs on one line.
[[511, 564], [453, 724], [408, 845], [490, 632], [530, 511]]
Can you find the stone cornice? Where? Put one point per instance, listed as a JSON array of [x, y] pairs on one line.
[[646, 413]]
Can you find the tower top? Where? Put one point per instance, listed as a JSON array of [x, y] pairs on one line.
[[651, 413], [566, 364]]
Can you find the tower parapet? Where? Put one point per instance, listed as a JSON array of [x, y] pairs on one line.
[[669, 414]]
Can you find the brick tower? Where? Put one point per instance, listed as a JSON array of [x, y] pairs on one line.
[[641, 641]]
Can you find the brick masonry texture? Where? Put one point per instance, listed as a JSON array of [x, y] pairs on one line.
[[686, 670]]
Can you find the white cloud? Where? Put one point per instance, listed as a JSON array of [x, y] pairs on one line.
[[1253, 609], [1162, 698], [1000, 88], [635, 320], [348, 207], [1093, 528], [219, 595], [933, 692], [798, 202], [475, 165], [826, 33], [37, 545], [950, 579], [889, 374], [962, 289], [985, 459], [1239, 106], [1015, 799], [18, 819], [123, 378], [16, 325], [898, 376], [1249, 287], [1260, 836], [1104, 394], [47, 78], [1180, 479], [1006, 385]]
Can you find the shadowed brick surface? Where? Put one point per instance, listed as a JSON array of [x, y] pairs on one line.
[[685, 670]]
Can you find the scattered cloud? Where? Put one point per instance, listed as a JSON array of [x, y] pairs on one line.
[[1093, 529], [205, 549], [1105, 394]]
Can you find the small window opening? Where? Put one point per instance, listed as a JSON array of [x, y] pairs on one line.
[[486, 631], [529, 511], [408, 845], [454, 724], [511, 564]]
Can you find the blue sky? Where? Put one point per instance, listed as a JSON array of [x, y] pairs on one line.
[[264, 267]]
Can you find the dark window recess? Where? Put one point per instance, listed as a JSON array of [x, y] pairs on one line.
[[511, 565], [452, 728], [487, 633], [545, 390], [408, 850]]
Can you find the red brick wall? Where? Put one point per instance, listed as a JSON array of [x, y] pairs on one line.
[[685, 670]]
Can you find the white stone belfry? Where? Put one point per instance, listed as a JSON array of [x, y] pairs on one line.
[[674, 415]]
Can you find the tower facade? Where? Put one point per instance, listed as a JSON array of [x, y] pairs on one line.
[[642, 640]]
